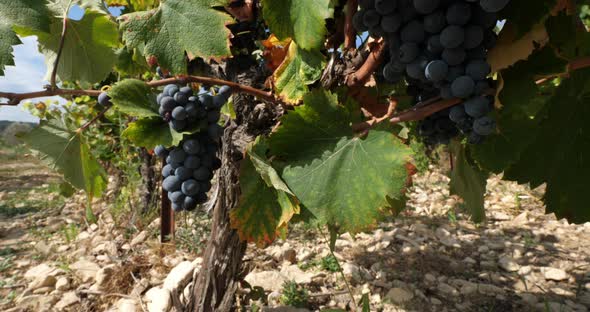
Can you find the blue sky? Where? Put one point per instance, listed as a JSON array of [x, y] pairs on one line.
[[28, 73]]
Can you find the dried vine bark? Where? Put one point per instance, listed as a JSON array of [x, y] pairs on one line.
[[222, 271]]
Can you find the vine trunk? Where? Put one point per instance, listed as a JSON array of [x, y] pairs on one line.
[[222, 270]]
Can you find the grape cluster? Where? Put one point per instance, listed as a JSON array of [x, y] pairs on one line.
[[440, 48], [183, 110], [188, 171], [189, 167]]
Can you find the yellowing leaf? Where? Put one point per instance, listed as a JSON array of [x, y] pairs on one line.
[[510, 50], [299, 69], [302, 20], [266, 203]]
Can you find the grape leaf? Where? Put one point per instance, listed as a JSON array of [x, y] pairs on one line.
[[151, 132], [7, 39], [511, 48], [266, 204], [88, 54], [342, 180], [302, 20], [299, 69], [164, 35], [60, 7], [468, 181], [535, 12], [521, 101], [135, 5], [135, 98], [565, 37], [65, 151], [560, 153], [32, 14]]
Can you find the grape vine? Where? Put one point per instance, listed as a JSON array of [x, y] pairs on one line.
[[330, 102]]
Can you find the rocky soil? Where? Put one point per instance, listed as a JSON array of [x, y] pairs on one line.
[[430, 258]]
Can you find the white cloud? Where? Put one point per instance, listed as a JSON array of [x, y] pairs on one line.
[[26, 75]]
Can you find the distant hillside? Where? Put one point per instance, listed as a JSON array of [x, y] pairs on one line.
[[6, 123], [9, 130]]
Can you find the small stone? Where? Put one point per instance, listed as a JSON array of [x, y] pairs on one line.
[[158, 300], [140, 238], [283, 253], [43, 281], [269, 280], [127, 305], [104, 275], [40, 270], [489, 289], [85, 270], [447, 289], [468, 289], [304, 254], [83, 236], [399, 295], [179, 277], [429, 278], [435, 301], [508, 264], [22, 263], [352, 271], [483, 249], [554, 274], [525, 270], [43, 290], [529, 299], [294, 273], [62, 284], [521, 219], [43, 248], [67, 300]]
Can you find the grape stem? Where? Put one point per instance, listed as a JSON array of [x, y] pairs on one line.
[[15, 98], [363, 74], [236, 87], [94, 120], [349, 31], [420, 112], [62, 41]]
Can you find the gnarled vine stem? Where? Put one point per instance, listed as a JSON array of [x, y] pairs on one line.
[[15, 98]]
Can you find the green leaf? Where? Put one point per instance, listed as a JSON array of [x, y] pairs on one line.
[[560, 153], [343, 180], [7, 39], [31, 14], [302, 20], [266, 204], [565, 37], [535, 12], [87, 55], [521, 101], [178, 26], [151, 132], [134, 97], [59, 7], [468, 181], [65, 151], [299, 69]]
